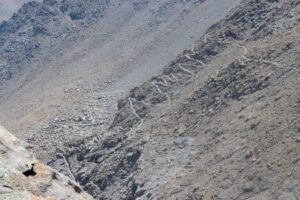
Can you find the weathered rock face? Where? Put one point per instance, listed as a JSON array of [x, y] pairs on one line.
[[22, 177]]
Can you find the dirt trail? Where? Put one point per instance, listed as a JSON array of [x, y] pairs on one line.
[[169, 78], [188, 56], [174, 77], [205, 38], [146, 103], [164, 80], [276, 64], [185, 70], [161, 92], [133, 110], [66, 162], [133, 131], [193, 52]]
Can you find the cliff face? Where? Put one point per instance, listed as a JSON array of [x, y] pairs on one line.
[[24, 177]]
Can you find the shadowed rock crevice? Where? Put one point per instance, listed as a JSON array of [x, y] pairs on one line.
[[30, 172]]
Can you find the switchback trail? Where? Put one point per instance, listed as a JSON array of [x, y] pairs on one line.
[[161, 92], [185, 70], [276, 64], [136, 115]]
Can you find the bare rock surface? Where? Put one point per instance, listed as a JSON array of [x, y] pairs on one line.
[[22, 177]]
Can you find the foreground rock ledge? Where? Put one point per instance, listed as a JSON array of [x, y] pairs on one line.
[[23, 177]]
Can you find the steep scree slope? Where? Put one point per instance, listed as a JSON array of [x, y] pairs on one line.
[[62, 52], [220, 122]]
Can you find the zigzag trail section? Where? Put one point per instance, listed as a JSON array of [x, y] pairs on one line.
[[161, 92], [85, 52], [232, 131], [276, 64]]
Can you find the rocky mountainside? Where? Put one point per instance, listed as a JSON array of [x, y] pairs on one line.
[[63, 52], [24, 177], [220, 122]]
